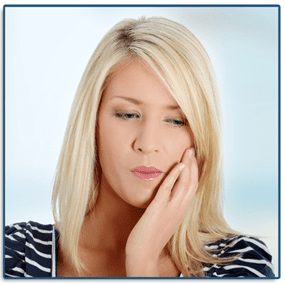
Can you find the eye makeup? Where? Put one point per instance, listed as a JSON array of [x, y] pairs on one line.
[[125, 115]]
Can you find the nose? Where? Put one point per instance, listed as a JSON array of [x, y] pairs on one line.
[[149, 137]]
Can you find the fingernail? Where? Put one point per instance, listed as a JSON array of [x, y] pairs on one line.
[[191, 153], [181, 167]]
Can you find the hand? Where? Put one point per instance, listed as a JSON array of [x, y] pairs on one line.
[[162, 218]]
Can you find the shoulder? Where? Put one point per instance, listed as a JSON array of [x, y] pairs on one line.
[[254, 258], [28, 247]]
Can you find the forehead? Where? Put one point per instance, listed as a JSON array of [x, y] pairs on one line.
[[138, 82]]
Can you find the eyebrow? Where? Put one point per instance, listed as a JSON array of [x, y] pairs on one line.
[[138, 102]]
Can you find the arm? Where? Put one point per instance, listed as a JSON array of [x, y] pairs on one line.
[[15, 238], [162, 218], [255, 259]]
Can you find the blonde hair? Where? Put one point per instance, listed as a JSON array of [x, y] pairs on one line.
[[184, 66]]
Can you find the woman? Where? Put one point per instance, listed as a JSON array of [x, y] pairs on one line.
[[138, 186]]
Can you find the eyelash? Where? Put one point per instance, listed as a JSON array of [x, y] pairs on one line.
[[129, 116]]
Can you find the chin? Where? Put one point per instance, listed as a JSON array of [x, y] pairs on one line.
[[142, 205], [141, 198]]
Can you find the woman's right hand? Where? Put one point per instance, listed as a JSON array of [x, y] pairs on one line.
[[162, 218]]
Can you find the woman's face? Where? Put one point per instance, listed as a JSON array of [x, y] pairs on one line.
[[141, 133]]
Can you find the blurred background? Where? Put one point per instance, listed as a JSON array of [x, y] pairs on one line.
[[46, 51]]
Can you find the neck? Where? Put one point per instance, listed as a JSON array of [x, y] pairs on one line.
[[110, 223]]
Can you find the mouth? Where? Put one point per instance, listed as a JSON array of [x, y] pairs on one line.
[[146, 173]]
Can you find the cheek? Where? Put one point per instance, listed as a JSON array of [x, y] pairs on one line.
[[181, 139], [111, 145], [188, 138], [178, 143]]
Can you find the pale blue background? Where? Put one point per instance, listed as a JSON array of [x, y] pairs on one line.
[[47, 50]]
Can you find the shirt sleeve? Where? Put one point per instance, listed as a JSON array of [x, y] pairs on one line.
[[15, 238], [28, 250], [255, 259]]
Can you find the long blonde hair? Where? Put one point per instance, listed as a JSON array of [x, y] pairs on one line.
[[184, 66]]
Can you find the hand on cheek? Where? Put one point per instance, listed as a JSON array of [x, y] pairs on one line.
[[162, 217]]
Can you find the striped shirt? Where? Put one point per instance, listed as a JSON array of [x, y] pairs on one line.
[[31, 251]]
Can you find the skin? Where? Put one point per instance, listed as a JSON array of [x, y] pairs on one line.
[[127, 233]]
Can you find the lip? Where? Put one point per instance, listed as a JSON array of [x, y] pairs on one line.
[[146, 173]]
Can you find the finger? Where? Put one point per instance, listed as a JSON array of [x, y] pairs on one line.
[[184, 177], [187, 181], [168, 183], [193, 185]]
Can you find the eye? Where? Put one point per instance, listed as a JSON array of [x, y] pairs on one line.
[[177, 122], [126, 115]]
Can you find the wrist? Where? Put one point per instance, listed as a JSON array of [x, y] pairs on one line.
[[137, 266]]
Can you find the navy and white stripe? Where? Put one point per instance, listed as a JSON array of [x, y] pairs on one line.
[[255, 259], [28, 250], [31, 251]]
